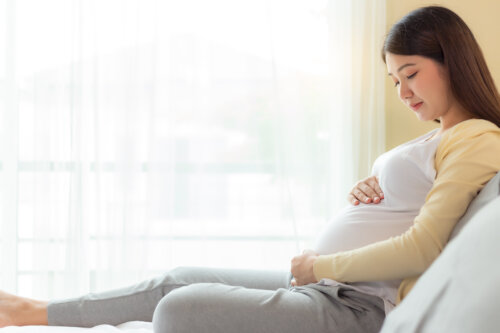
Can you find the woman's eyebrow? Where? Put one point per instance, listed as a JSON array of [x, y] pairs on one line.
[[405, 65]]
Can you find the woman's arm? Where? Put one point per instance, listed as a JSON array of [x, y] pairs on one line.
[[467, 157]]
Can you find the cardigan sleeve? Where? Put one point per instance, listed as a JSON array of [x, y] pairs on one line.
[[467, 157]]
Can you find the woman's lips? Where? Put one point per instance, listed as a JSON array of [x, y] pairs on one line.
[[416, 106]]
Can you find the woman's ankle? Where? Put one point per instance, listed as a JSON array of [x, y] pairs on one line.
[[38, 309]]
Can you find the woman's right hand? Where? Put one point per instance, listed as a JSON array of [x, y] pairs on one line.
[[366, 191]]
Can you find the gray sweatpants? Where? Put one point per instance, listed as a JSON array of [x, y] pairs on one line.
[[219, 300]]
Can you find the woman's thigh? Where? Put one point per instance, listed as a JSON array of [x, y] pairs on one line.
[[255, 279], [215, 308]]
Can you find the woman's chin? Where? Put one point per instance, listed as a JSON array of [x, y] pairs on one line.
[[424, 118]]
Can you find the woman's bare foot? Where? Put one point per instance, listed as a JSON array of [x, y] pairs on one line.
[[20, 311]]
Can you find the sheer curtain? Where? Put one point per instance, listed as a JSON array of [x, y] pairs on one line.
[[136, 136]]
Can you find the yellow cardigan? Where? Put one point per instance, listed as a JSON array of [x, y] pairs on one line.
[[467, 157]]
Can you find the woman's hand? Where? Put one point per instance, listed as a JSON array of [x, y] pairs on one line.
[[302, 268], [366, 191]]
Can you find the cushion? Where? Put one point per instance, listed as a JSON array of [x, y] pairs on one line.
[[459, 292], [488, 193]]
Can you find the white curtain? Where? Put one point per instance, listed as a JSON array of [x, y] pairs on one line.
[[140, 135]]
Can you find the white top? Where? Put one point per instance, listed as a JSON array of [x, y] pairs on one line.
[[406, 174]]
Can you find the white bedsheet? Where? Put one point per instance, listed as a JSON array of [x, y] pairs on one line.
[[130, 327]]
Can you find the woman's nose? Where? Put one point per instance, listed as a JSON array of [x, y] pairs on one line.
[[404, 91]]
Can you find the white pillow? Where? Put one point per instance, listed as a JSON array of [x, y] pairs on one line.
[[460, 292]]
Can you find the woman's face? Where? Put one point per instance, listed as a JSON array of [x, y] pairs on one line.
[[423, 86]]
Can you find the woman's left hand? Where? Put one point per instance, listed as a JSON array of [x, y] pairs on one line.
[[302, 268]]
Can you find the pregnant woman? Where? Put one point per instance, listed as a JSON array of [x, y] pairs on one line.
[[369, 256]]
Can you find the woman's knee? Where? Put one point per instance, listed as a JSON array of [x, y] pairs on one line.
[[173, 279], [173, 313], [177, 273], [182, 275]]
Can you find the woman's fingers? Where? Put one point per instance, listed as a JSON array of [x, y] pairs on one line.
[[352, 199], [367, 191], [373, 182], [302, 268], [361, 195]]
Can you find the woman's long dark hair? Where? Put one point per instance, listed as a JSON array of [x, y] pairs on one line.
[[440, 34]]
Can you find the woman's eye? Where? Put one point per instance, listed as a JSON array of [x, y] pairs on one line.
[[411, 76], [408, 77]]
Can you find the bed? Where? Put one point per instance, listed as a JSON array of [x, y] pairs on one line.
[[130, 327]]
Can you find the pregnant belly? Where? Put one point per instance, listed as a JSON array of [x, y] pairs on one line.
[[357, 226]]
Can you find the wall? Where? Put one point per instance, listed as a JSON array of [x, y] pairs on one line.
[[482, 18]]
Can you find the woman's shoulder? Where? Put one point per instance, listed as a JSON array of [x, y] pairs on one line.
[[470, 128], [478, 135]]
